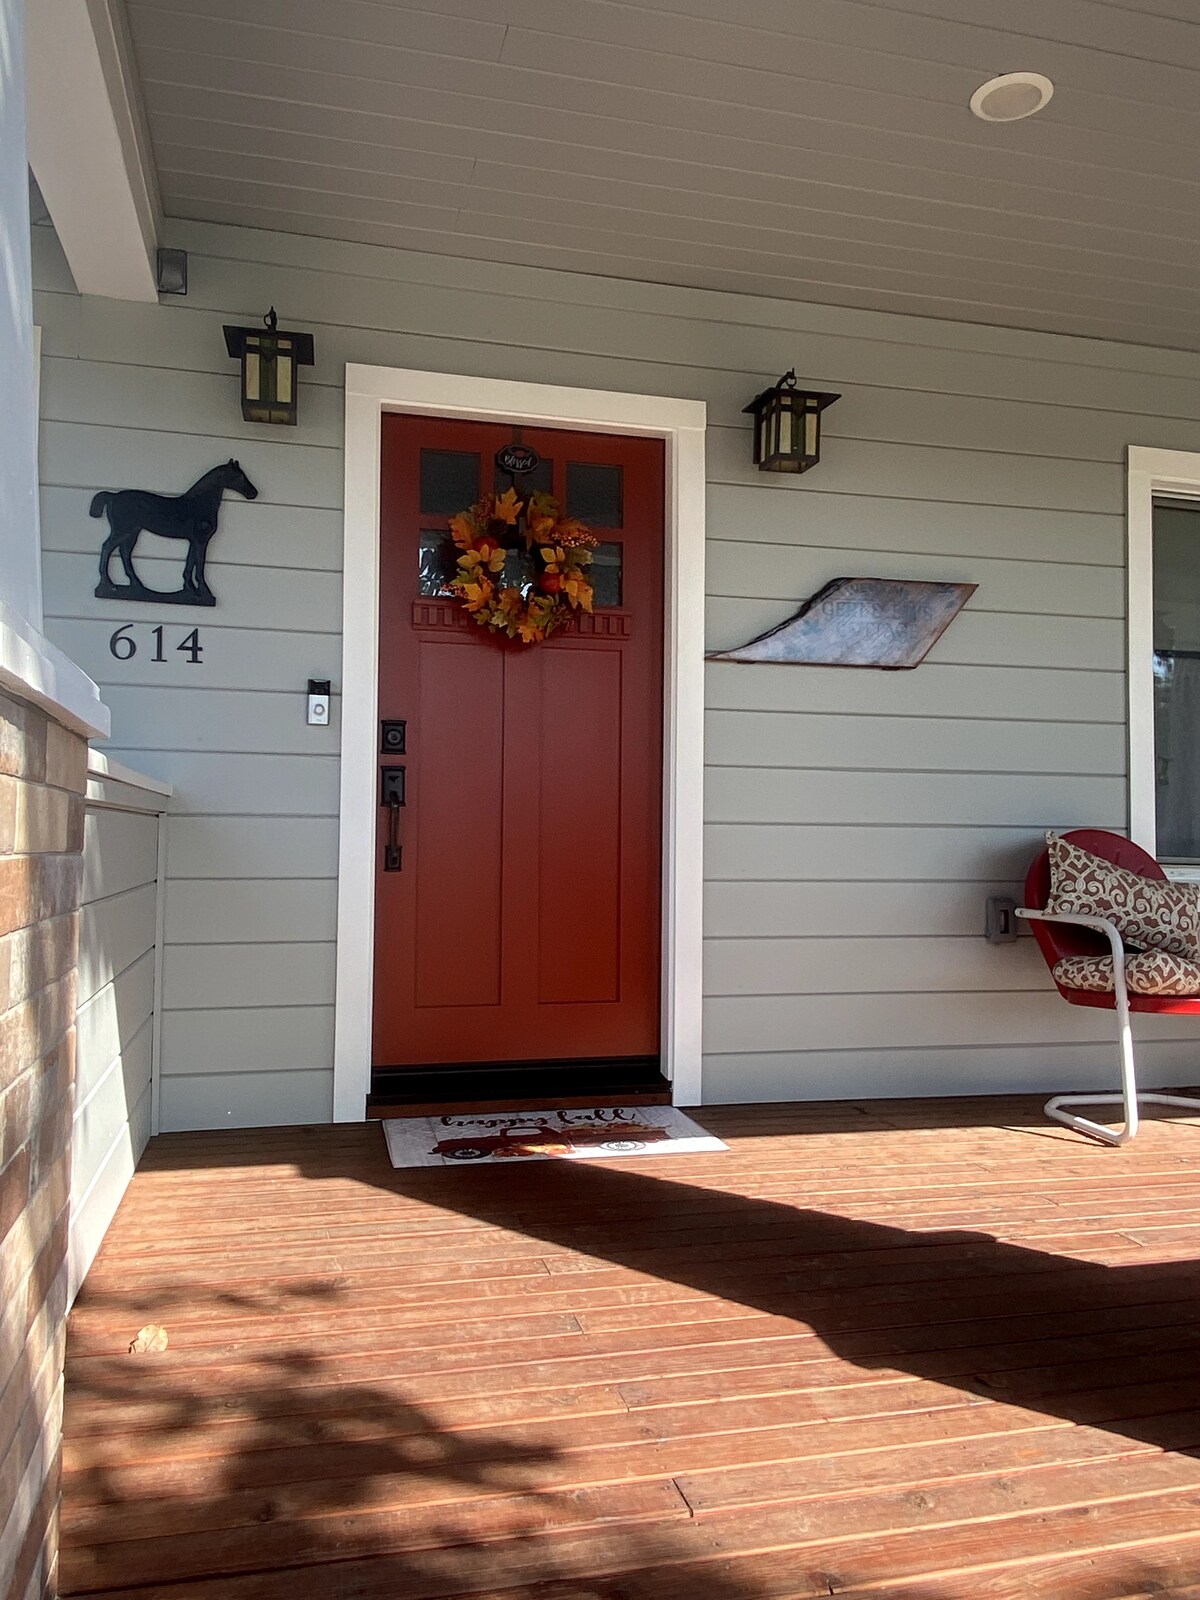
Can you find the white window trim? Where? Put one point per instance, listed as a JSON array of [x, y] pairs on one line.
[[1148, 473], [370, 391]]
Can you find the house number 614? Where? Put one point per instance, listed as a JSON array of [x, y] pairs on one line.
[[124, 646]]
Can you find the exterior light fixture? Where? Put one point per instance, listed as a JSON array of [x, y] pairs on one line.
[[1011, 97], [269, 361], [787, 426]]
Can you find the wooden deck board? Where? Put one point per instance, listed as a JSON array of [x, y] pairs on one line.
[[932, 1351]]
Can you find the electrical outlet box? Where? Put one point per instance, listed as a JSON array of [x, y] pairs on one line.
[[318, 702], [1000, 925]]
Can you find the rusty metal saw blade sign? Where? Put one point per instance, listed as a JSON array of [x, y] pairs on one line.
[[890, 623]]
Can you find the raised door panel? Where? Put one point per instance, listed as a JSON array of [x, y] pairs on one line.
[[579, 810], [455, 823]]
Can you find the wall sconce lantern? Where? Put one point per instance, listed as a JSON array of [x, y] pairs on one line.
[[269, 361], [787, 426]]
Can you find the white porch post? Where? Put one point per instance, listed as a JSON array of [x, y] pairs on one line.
[[20, 559], [29, 666], [89, 148]]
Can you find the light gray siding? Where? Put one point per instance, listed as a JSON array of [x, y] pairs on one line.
[[114, 1041], [856, 820]]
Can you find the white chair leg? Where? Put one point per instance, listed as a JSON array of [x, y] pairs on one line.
[[1129, 1097]]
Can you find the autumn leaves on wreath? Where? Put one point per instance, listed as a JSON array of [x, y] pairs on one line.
[[560, 550]]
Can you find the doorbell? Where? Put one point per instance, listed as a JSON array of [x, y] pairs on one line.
[[318, 702]]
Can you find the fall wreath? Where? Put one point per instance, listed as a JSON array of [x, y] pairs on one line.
[[558, 551]]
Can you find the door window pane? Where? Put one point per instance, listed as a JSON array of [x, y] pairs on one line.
[[539, 481], [519, 571], [605, 573], [595, 493], [438, 558], [1177, 679], [449, 481]]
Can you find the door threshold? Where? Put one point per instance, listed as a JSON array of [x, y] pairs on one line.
[[516, 1086]]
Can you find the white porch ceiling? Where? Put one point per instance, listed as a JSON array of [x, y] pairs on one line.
[[814, 149]]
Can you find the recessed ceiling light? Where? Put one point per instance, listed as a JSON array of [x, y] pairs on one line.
[[1011, 96]]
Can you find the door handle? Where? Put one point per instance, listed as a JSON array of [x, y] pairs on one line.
[[392, 854], [392, 795]]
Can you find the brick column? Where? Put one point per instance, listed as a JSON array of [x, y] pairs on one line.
[[42, 783]]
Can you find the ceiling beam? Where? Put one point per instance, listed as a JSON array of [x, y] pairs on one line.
[[88, 145]]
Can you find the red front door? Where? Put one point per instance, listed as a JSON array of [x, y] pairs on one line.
[[523, 922]]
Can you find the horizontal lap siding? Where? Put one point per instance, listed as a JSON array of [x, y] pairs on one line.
[[252, 835], [115, 1020], [856, 821]]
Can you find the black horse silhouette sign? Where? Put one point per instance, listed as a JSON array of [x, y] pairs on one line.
[[191, 516]]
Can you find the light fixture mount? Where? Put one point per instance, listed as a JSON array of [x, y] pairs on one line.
[[1011, 97]]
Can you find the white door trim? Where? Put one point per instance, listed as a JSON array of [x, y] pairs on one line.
[[1148, 473], [370, 391]]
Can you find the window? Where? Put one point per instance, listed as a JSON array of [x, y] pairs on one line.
[[1164, 655], [607, 573], [438, 562], [449, 481], [1176, 614], [539, 481], [595, 494]]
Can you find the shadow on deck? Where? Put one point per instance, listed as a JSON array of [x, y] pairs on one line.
[[937, 1350]]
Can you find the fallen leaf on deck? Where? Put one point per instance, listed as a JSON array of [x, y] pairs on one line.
[[150, 1340]]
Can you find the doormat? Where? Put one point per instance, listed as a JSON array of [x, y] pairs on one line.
[[602, 1134]]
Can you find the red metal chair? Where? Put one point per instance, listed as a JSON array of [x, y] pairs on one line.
[[1059, 936]]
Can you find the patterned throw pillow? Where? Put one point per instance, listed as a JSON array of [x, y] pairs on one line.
[[1152, 972], [1148, 912]]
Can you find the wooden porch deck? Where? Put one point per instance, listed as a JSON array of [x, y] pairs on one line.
[[927, 1351]]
